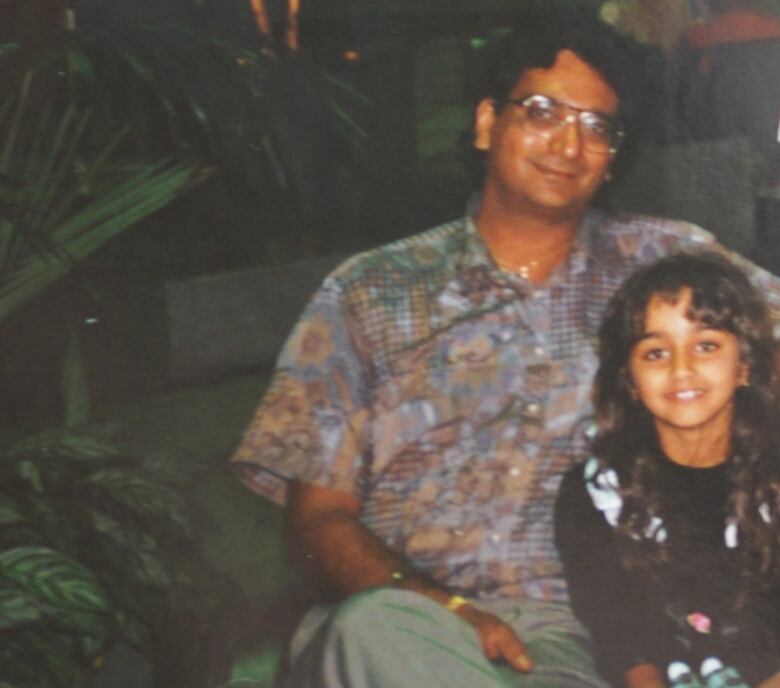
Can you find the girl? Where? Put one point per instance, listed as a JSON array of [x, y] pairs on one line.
[[669, 533]]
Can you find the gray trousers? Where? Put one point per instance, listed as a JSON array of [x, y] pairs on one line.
[[388, 638]]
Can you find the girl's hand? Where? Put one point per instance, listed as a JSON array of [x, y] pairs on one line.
[[645, 676], [498, 639]]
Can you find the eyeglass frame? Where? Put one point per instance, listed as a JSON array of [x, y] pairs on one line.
[[569, 119]]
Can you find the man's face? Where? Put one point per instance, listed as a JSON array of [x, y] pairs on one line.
[[553, 174]]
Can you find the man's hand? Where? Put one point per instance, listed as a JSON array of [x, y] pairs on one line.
[[498, 639], [324, 524]]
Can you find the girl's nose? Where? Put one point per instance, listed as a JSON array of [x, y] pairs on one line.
[[682, 365]]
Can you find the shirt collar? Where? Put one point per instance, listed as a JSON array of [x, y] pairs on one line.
[[476, 256]]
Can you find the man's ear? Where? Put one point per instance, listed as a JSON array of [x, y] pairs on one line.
[[483, 123]]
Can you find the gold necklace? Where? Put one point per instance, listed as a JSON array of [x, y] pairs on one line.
[[525, 269]]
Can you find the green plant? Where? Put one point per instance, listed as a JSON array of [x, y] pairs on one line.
[[289, 141], [69, 183], [65, 192], [98, 544]]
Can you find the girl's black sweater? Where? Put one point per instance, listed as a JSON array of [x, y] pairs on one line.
[[635, 618]]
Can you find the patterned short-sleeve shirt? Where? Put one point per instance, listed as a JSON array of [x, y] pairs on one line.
[[451, 396]]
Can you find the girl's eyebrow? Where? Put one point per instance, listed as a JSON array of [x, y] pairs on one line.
[[700, 325], [647, 335]]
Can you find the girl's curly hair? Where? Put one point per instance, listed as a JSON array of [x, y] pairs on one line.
[[723, 298]]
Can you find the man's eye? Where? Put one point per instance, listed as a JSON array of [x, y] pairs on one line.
[[541, 112], [707, 347], [597, 126]]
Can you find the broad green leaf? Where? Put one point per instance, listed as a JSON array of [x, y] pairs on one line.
[[9, 512], [144, 495], [148, 569], [112, 528], [152, 570], [29, 471], [53, 577], [17, 607], [44, 657], [86, 625], [133, 629]]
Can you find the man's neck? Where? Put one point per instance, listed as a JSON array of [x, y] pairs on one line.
[[533, 244]]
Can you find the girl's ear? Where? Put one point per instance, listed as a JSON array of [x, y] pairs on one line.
[[744, 374]]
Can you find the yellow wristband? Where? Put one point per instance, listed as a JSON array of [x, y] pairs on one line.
[[456, 602], [397, 577]]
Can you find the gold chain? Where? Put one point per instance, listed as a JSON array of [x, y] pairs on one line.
[[525, 269]]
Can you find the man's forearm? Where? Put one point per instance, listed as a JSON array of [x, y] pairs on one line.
[[325, 527], [351, 558]]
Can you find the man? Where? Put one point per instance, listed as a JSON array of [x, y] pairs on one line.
[[435, 390]]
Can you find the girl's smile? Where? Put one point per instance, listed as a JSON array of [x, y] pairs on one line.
[[686, 374]]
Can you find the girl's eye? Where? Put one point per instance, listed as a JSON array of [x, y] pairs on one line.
[[654, 355], [707, 347]]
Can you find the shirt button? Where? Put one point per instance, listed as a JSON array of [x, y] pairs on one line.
[[539, 351], [495, 537], [538, 294], [533, 409], [514, 471]]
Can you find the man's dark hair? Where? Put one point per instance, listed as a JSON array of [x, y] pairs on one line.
[[542, 32]]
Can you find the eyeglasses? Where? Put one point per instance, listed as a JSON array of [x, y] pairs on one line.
[[545, 116]]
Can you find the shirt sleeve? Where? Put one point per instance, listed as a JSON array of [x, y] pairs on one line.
[[767, 283], [603, 596], [643, 239], [312, 424]]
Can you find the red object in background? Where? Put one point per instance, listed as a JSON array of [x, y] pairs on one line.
[[736, 26], [733, 27]]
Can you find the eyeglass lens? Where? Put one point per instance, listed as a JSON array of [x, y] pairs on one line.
[[544, 115]]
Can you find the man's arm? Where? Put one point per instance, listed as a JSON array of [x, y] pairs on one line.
[[324, 525]]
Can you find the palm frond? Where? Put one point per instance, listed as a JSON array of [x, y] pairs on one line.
[[62, 196]]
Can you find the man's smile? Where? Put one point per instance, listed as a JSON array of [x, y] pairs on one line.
[[557, 170]]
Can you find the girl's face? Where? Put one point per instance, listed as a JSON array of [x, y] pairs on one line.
[[686, 374]]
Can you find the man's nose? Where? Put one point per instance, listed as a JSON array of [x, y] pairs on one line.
[[567, 140]]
